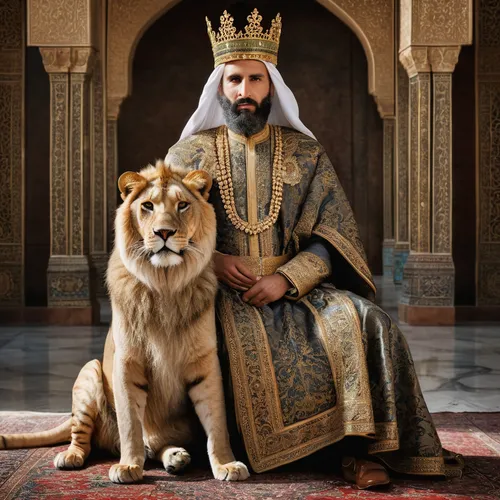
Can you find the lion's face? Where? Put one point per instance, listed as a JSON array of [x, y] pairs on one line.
[[165, 218]]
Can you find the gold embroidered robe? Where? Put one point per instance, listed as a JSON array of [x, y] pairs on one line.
[[324, 362]]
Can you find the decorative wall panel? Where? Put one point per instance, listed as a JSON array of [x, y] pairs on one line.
[[11, 153], [488, 146], [436, 22], [62, 23]]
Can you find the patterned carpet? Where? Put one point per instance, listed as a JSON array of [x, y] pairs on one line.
[[29, 474]]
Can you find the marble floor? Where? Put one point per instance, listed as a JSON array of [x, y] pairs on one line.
[[458, 367]]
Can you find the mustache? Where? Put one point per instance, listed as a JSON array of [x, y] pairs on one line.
[[243, 100]]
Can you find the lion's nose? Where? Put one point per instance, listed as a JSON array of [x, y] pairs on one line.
[[164, 233]]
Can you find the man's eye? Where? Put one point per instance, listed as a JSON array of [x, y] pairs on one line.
[[235, 79], [182, 205], [147, 205]]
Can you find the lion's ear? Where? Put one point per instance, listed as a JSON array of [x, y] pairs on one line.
[[198, 180], [128, 181]]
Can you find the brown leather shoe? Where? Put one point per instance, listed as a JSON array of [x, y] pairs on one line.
[[363, 473]]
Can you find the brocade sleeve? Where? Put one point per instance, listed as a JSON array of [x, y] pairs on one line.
[[307, 269]]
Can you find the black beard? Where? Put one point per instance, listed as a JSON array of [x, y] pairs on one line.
[[244, 122]]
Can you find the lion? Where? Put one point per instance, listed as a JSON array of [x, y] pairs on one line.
[[160, 357]]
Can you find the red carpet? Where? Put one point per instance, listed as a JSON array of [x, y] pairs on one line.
[[29, 474]]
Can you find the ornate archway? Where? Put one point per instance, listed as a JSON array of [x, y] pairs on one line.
[[372, 22]]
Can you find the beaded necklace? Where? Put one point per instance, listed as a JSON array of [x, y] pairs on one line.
[[225, 180]]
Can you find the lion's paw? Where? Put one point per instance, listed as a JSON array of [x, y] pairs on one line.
[[175, 460], [120, 473], [69, 460], [232, 471]]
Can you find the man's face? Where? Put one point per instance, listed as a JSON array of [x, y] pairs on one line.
[[246, 80], [245, 96]]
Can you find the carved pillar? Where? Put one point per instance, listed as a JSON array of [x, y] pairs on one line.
[[428, 283], [12, 47], [98, 186], [402, 194], [113, 109], [68, 275], [388, 162]]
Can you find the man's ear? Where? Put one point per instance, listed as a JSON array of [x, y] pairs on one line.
[[271, 90], [198, 181], [129, 181]]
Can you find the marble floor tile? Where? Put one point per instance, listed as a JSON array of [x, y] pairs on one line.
[[458, 367]]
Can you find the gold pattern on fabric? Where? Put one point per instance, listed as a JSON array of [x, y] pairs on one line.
[[305, 271], [264, 266], [268, 446], [348, 252], [292, 173]]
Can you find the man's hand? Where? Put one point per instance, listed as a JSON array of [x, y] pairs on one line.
[[230, 270], [267, 289]]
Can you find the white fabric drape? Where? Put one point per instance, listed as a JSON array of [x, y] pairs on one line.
[[284, 109]]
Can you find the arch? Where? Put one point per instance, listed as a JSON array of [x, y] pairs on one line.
[[372, 22]]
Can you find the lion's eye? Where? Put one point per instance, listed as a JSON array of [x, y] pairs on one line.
[[147, 205], [182, 205]]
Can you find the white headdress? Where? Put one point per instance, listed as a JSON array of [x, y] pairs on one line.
[[284, 109]]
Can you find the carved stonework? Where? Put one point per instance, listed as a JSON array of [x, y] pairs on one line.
[[420, 128], [388, 164], [111, 177], [415, 60], [79, 182], [429, 280], [98, 171], [11, 153], [373, 23], [441, 164], [402, 195], [443, 59], [67, 59], [434, 22], [60, 23], [488, 147], [59, 83], [68, 281]]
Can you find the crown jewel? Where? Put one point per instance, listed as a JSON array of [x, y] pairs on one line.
[[252, 43]]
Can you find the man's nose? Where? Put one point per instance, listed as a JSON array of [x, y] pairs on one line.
[[244, 89], [164, 234]]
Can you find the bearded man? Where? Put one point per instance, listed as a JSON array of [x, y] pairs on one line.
[[312, 359]]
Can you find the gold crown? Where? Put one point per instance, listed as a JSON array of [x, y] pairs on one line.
[[253, 43]]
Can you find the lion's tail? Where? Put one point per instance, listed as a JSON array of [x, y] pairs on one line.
[[60, 434]]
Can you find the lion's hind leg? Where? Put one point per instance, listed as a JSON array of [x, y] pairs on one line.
[[174, 459], [88, 398]]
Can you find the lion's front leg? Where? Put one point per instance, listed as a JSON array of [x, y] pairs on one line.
[[206, 393], [130, 392]]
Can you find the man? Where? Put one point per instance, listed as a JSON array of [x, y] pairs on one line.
[[313, 361]]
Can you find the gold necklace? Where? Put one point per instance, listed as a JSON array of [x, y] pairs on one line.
[[225, 180]]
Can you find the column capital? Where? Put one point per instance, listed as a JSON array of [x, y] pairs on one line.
[[68, 59], [415, 60], [443, 59]]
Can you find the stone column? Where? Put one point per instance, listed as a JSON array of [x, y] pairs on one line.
[[98, 194], [68, 276], [113, 110], [401, 196], [428, 283], [388, 162]]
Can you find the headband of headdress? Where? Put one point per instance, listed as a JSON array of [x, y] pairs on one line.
[[252, 43]]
